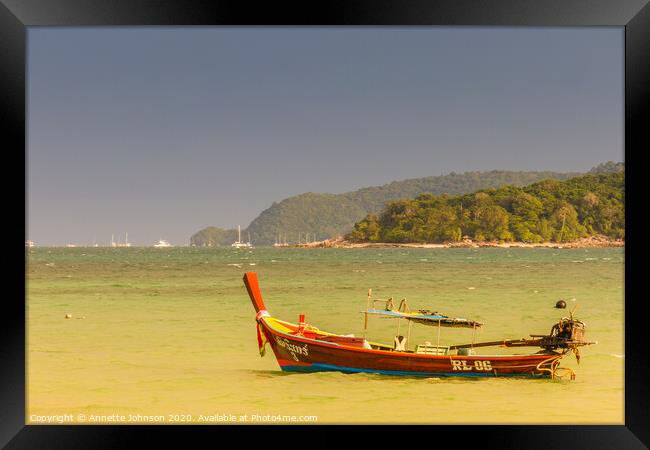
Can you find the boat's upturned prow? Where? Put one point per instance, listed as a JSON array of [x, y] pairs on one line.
[[253, 288], [304, 348]]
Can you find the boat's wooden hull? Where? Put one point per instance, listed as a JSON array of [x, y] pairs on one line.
[[308, 353], [297, 354]]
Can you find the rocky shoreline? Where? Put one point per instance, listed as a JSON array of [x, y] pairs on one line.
[[589, 242]]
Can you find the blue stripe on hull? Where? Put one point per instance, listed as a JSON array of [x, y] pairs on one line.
[[316, 367]]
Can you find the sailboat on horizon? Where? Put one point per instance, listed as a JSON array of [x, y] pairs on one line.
[[119, 244], [280, 242], [238, 243]]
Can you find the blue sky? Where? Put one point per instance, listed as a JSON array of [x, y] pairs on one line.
[[161, 131]]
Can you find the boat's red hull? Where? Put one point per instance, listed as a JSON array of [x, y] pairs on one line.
[[298, 354]]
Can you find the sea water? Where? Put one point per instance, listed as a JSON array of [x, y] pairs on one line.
[[168, 335]]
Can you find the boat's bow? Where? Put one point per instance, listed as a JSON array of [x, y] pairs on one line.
[[253, 288]]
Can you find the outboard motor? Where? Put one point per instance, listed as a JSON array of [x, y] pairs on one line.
[[568, 331], [567, 334]]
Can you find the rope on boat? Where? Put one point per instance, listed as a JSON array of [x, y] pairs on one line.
[[555, 370]]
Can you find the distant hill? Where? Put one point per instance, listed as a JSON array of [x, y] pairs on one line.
[[328, 215], [213, 237], [549, 210]]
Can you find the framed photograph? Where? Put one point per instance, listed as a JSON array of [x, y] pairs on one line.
[[344, 214]]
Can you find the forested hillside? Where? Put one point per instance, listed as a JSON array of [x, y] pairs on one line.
[[317, 216], [328, 215], [547, 211], [213, 237]]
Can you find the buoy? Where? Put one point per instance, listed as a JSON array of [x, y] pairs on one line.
[[68, 316], [561, 304]]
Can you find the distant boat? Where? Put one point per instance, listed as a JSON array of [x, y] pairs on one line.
[[238, 243], [162, 243], [29, 244], [280, 243], [71, 245], [118, 244]]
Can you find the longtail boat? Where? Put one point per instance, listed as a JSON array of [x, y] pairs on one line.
[[304, 348]]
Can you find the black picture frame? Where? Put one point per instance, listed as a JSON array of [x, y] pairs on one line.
[[633, 15]]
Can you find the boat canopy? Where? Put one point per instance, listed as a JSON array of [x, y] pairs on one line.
[[425, 318]]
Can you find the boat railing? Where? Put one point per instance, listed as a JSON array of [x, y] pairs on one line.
[[389, 305], [428, 349]]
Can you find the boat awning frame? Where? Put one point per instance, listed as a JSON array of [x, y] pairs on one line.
[[434, 319]]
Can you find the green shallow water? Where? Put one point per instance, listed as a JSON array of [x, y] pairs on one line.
[[172, 332]]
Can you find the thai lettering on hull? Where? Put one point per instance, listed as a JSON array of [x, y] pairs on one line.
[[294, 349]]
